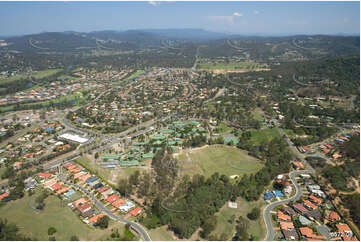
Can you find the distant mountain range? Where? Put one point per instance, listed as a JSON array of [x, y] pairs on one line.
[[72, 41]]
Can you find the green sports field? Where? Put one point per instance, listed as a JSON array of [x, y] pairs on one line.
[[218, 158]]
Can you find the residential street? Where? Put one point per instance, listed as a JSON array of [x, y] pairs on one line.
[[103, 209]]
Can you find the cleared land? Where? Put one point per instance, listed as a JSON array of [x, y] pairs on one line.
[[66, 222], [110, 175], [258, 114], [222, 128], [259, 136], [218, 158], [160, 234], [255, 227]]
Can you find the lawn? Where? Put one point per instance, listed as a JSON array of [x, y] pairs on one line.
[[160, 234], [66, 222], [256, 227], [222, 128], [218, 158], [267, 134], [246, 65]]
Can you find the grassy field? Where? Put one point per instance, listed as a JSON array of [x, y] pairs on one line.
[[110, 175], [135, 74], [222, 128], [231, 66], [38, 75], [66, 222], [218, 158], [160, 234], [258, 114], [259, 136], [87, 162], [256, 227]]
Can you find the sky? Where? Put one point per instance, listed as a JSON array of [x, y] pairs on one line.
[[268, 18]]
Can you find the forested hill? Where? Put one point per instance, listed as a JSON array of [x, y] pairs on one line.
[[258, 47]]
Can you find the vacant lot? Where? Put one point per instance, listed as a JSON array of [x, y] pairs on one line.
[[218, 158], [160, 234], [224, 225], [87, 161], [110, 175], [66, 222]]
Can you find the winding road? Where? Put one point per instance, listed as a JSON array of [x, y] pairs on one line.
[[267, 211]]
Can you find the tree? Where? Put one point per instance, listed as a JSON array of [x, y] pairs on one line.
[[134, 178], [208, 226], [123, 187], [103, 222], [51, 230], [254, 214], [74, 238]]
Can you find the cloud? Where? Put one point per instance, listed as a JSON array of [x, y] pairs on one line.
[[154, 3], [237, 14], [255, 12], [228, 19]]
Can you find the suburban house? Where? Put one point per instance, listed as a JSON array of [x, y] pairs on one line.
[[86, 210], [79, 202], [333, 216], [45, 175], [304, 221], [282, 216], [94, 220], [288, 230], [112, 198], [299, 208], [136, 211], [288, 210], [315, 214], [307, 233]]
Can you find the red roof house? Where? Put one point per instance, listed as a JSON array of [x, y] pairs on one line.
[[136, 211], [112, 198], [45, 175], [315, 199], [333, 216], [56, 186], [4, 195]]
